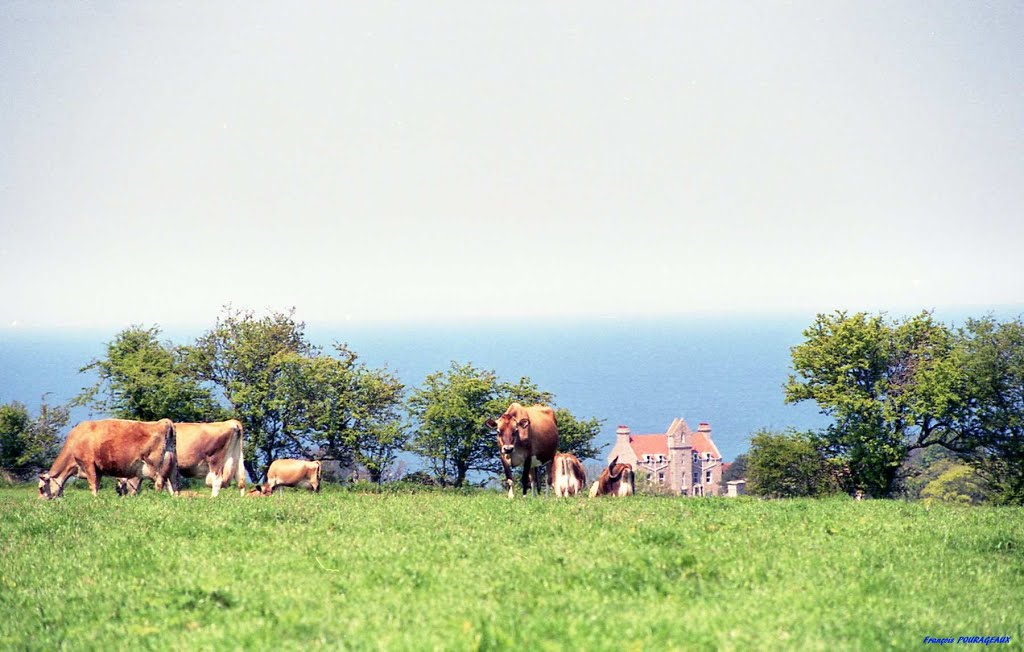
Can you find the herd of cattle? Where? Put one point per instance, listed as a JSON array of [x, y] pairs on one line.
[[166, 452]]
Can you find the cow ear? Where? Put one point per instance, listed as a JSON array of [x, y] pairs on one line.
[[492, 424], [524, 423]]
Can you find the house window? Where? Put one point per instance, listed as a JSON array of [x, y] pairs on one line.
[[707, 477], [661, 477], [661, 458], [696, 477]]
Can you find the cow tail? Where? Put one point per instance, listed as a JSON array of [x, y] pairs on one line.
[[240, 459], [319, 474], [170, 461]]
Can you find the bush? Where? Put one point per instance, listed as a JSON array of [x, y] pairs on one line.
[[788, 465]]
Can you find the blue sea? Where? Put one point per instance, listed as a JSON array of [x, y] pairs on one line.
[[728, 372]]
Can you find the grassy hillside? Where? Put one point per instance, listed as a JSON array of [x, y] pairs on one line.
[[477, 571]]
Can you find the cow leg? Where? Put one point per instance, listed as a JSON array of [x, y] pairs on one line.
[[527, 477], [93, 477], [216, 482], [509, 481]]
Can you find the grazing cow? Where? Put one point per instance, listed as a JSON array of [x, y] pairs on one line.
[[117, 447], [568, 477], [616, 480], [293, 473], [212, 451], [205, 450], [527, 437]]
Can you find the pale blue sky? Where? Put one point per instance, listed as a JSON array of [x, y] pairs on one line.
[[409, 161]]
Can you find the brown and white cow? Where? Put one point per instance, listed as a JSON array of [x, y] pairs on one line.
[[568, 477], [616, 480], [293, 473], [117, 447], [527, 437], [205, 450]]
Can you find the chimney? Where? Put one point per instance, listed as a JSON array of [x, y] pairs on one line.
[[622, 435], [704, 426]]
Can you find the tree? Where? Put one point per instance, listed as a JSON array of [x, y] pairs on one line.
[[958, 483], [577, 436], [240, 356], [788, 465], [737, 470], [449, 411], [337, 408], [295, 400], [890, 388], [27, 444], [142, 379], [991, 419]]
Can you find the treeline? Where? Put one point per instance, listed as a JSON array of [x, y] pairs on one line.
[[296, 399], [919, 409]]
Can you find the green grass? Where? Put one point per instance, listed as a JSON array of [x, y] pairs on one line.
[[345, 570]]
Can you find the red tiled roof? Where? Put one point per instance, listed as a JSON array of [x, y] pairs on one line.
[[649, 445], [703, 444]]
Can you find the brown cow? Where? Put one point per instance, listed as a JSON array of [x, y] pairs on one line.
[[205, 450], [616, 480], [568, 476], [527, 437], [293, 473], [116, 447]]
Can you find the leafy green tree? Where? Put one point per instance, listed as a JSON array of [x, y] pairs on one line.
[[338, 408], [451, 407], [14, 428], [991, 418], [26, 443], [958, 483], [140, 378], [890, 388], [240, 356], [577, 436], [737, 470], [295, 400], [922, 467], [788, 465]]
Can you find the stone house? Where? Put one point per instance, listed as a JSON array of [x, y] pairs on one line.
[[686, 461]]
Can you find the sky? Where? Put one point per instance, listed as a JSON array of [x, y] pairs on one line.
[[465, 160]]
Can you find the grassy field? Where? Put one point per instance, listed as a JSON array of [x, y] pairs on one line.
[[345, 570]]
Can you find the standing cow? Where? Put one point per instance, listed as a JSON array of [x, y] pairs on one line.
[[293, 473], [212, 451], [527, 437], [117, 447], [616, 480], [568, 477]]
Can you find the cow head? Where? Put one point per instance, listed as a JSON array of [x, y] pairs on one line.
[[48, 487], [511, 432]]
